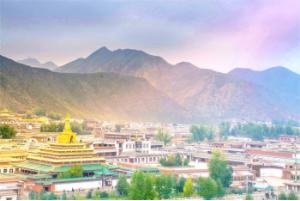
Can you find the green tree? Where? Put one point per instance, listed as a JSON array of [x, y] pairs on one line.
[[198, 133], [163, 136], [249, 197], [224, 129], [64, 196], [43, 195], [89, 194], [122, 186], [54, 116], [207, 188], [7, 132], [164, 186], [73, 172], [292, 196], [188, 188], [104, 194], [219, 170], [137, 186], [52, 196], [180, 184], [282, 196], [33, 195], [149, 192], [40, 112]]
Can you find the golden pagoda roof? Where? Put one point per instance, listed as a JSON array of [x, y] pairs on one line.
[[67, 136]]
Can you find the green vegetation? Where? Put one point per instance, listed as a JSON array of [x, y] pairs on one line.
[[7, 132], [122, 186], [58, 127], [163, 136], [54, 116], [188, 188], [200, 133], [43, 195], [73, 172], [249, 197], [257, 131], [207, 188], [219, 170], [291, 196], [180, 184], [174, 161], [40, 112]]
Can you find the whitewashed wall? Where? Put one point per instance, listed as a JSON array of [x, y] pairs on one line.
[[77, 185], [271, 172]]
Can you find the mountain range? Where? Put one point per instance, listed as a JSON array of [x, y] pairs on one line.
[[35, 63], [176, 93], [107, 96], [206, 94]]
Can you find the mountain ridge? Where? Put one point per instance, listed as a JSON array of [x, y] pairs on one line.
[[37, 64], [107, 96], [203, 92]]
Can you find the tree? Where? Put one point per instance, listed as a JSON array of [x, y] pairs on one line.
[[188, 188], [249, 196], [202, 132], [207, 188], [219, 170], [164, 186], [292, 196], [43, 195], [137, 186], [104, 194], [198, 133], [7, 132], [282, 196], [52, 196], [149, 193], [180, 184], [163, 136], [73, 172], [172, 160], [89, 194], [33, 195], [122, 186], [64, 196], [54, 116], [40, 112]]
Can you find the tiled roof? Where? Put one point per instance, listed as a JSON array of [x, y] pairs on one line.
[[269, 153]]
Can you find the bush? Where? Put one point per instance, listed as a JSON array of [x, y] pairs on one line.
[[104, 194]]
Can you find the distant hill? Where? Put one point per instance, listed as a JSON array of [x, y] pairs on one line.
[[207, 95], [101, 95], [35, 63]]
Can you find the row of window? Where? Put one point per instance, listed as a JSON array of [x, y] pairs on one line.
[[7, 170]]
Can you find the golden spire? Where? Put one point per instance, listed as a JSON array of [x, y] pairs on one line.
[[67, 136], [67, 127]]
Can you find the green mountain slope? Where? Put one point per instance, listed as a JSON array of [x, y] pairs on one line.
[[101, 95]]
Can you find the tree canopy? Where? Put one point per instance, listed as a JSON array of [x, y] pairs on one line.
[[257, 131], [201, 132], [219, 170], [163, 136], [122, 186], [7, 132], [73, 172], [174, 161], [207, 188], [188, 188]]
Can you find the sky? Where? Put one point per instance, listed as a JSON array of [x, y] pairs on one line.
[[214, 34]]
